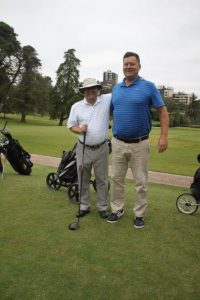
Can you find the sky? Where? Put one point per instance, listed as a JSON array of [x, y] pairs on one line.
[[165, 33]]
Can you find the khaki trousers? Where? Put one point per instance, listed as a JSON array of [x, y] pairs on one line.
[[98, 159], [135, 156]]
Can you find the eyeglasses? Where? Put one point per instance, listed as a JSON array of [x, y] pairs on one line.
[[90, 88]]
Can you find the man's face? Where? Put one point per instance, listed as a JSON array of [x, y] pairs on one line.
[[91, 93], [131, 67]]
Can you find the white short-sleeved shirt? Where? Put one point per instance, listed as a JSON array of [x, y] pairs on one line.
[[95, 116]]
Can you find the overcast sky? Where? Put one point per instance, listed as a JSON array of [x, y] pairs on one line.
[[166, 35]]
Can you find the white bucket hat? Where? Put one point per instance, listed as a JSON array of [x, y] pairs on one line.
[[89, 82]]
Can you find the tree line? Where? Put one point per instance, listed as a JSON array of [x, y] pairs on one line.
[[181, 114], [24, 90]]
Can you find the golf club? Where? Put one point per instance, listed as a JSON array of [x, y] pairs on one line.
[[76, 225]]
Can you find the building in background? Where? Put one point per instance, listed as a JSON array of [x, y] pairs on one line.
[[166, 92], [109, 79], [183, 98]]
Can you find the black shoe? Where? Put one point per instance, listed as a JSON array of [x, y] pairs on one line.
[[113, 218], [138, 222], [82, 213], [103, 214]]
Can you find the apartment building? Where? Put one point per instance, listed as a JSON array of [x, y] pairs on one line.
[[183, 98], [168, 92], [109, 78]]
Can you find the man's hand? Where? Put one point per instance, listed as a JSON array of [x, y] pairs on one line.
[[162, 144], [83, 128], [79, 128]]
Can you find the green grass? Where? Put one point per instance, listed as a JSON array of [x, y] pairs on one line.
[[181, 156], [41, 259], [42, 136]]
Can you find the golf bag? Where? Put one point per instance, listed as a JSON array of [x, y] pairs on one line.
[[18, 158], [195, 186]]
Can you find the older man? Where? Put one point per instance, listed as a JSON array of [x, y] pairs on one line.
[[91, 116]]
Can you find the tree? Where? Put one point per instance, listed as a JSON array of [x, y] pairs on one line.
[[64, 92], [25, 93], [42, 92], [193, 109], [10, 63]]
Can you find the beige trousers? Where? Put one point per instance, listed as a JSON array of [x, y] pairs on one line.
[[135, 156]]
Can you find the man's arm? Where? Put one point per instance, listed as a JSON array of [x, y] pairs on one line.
[[164, 123], [78, 129], [72, 122]]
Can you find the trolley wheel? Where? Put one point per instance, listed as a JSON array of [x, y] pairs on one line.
[[53, 181], [186, 203], [73, 193], [94, 183]]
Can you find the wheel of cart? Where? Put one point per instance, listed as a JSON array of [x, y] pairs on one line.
[[94, 183], [53, 181], [187, 204], [73, 190], [73, 193]]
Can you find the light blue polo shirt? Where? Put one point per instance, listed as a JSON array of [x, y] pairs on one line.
[[131, 107]]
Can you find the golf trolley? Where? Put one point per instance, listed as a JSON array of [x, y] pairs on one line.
[[188, 203], [67, 176], [11, 150]]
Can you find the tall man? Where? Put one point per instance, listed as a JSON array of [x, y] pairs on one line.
[[91, 116], [131, 103]]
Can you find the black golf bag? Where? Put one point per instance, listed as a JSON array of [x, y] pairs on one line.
[[195, 186], [14, 153]]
